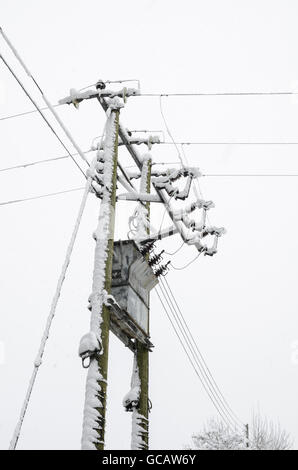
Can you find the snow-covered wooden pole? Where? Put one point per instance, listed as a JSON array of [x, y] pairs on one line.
[[140, 416], [95, 344]]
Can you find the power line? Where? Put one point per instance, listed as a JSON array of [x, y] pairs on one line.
[[215, 392], [52, 109], [176, 251], [238, 175], [168, 130], [184, 348], [15, 201], [4, 118], [185, 331], [25, 165], [191, 356], [188, 264], [236, 93], [198, 350], [51, 315], [231, 143], [25, 113], [41, 113]]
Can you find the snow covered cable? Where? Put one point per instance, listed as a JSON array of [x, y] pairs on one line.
[[193, 358], [38, 162], [40, 196], [45, 336], [14, 51], [66, 131], [200, 356], [40, 111], [50, 106]]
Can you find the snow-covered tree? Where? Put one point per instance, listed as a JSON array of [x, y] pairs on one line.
[[264, 435]]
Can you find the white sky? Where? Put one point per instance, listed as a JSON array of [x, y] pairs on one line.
[[242, 304]]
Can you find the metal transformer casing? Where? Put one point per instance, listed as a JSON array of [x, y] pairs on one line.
[[132, 280]]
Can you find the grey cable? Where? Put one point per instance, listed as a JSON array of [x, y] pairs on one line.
[[188, 355], [199, 352], [41, 113], [15, 201]]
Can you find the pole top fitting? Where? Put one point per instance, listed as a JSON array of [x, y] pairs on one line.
[[115, 104], [100, 85]]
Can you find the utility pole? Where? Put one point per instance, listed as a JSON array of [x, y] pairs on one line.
[[125, 270], [142, 353], [95, 345]]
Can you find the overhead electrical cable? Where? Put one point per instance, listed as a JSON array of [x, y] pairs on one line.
[[38, 162], [11, 116], [51, 108], [199, 352], [186, 333], [160, 295], [38, 360], [177, 329], [180, 268], [232, 143], [15, 201], [180, 321], [41, 113], [227, 93]]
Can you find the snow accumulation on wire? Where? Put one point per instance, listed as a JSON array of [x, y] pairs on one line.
[[38, 360], [93, 402]]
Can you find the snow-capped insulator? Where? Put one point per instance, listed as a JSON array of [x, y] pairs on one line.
[[130, 405], [100, 85], [97, 189], [100, 156], [162, 271], [99, 167], [89, 348], [155, 259]]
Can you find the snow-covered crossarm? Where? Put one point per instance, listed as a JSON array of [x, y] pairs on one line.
[[75, 97], [145, 197], [149, 141], [164, 233]]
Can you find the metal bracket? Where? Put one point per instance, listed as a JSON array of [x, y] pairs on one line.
[[127, 326]]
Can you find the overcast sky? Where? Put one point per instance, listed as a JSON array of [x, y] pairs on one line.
[[241, 304]]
